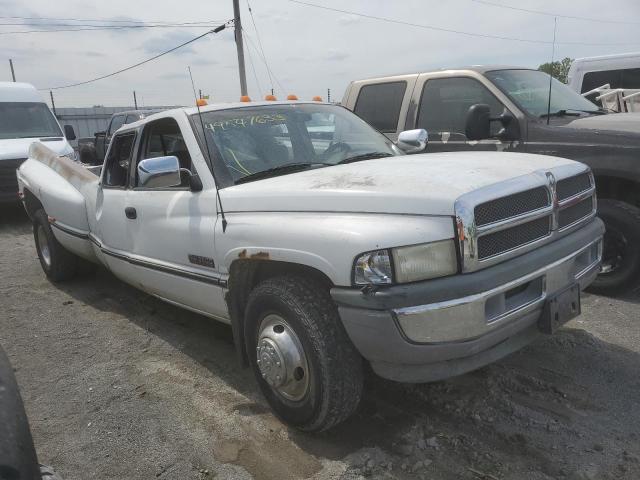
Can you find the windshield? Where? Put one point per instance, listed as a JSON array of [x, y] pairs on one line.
[[27, 120], [280, 139], [530, 90]]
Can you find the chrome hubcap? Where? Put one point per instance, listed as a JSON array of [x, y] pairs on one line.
[[43, 246], [281, 358]]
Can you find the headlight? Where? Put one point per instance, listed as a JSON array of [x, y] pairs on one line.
[[421, 262], [410, 264], [71, 156]]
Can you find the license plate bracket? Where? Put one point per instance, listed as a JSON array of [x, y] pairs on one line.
[[559, 309]]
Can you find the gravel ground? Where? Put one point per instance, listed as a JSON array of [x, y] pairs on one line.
[[119, 385]]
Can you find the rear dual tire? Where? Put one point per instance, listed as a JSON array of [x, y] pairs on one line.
[[57, 263], [303, 360]]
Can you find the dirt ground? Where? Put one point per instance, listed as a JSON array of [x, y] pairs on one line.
[[119, 385]]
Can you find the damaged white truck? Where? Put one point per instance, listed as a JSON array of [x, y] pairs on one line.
[[323, 245]]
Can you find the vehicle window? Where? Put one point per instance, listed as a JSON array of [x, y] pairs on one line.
[[625, 78], [118, 160], [380, 105], [116, 123], [249, 141], [27, 120], [163, 138], [444, 105], [132, 117], [529, 89]]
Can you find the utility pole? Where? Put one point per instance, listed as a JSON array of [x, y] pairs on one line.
[[53, 104], [199, 93], [238, 33], [328, 95], [135, 100], [13, 73]]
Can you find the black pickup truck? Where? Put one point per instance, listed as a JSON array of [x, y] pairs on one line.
[[507, 108], [93, 149]]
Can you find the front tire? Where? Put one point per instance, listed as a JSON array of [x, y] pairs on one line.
[[58, 263], [621, 254], [303, 360]]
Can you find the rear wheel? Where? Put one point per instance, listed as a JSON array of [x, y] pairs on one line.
[[621, 249], [58, 263], [304, 362]]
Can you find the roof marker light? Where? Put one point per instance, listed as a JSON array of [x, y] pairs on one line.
[[201, 102], [245, 98], [270, 98], [317, 98], [291, 96]]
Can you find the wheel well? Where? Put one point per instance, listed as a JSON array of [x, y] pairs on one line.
[[244, 275], [622, 189], [31, 203]]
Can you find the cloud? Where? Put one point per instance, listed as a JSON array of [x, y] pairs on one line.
[[167, 41], [336, 55]]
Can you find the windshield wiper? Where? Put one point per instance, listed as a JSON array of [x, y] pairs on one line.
[[280, 170], [562, 113], [365, 156]]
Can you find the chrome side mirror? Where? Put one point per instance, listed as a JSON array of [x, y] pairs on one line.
[[159, 172], [413, 141]]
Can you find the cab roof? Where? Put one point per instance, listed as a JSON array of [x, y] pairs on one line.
[[19, 92]]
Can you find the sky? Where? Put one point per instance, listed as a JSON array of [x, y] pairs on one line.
[[308, 50]]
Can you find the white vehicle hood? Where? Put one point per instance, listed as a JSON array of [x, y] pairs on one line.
[[424, 184], [15, 148]]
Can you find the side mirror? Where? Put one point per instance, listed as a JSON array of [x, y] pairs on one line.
[[413, 141], [159, 172], [478, 122], [69, 132]]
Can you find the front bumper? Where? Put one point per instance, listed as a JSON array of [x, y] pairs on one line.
[[440, 328]]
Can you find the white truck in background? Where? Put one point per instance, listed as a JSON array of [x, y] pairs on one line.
[[25, 118], [323, 245]]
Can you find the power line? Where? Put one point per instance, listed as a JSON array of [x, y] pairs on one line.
[[253, 68], [93, 20], [253, 45], [216, 30], [448, 30], [259, 42], [539, 12], [110, 27]]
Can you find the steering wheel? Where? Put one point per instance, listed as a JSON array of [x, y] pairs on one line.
[[337, 147]]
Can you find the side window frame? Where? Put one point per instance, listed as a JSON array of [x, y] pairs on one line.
[[465, 77], [134, 146], [394, 129], [111, 130], [141, 150]]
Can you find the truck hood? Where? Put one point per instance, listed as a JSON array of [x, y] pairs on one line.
[[15, 148], [612, 122], [424, 184]]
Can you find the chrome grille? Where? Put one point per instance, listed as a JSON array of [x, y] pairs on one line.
[[511, 206], [571, 186], [512, 217], [514, 237], [572, 214]]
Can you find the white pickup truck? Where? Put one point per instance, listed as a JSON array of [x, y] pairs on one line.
[[322, 244]]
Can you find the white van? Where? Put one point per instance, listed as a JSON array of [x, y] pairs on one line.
[[617, 71], [25, 118]]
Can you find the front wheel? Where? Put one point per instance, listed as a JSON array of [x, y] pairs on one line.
[[304, 362], [621, 252], [58, 263]]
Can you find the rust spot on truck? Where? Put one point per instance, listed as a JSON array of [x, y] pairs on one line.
[[254, 256], [71, 171], [345, 182]]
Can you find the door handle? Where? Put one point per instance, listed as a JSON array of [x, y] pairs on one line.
[[131, 213]]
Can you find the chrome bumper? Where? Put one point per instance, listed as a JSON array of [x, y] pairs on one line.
[[466, 318]]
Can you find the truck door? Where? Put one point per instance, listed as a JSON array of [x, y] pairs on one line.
[[110, 224], [442, 106], [384, 105], [173, 228]]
